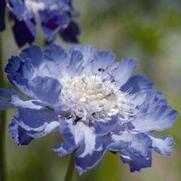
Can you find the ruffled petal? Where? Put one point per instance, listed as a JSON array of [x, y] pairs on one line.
[[85, 162], [163, 145], [46, 89], [137, 83], [20, 70], [33, 62], [52, 20], [24, 31], [122, 71], [102, 60], [24, 72], [156, 116], [71, 33], [103, 128], [18, 134], [28, 124], [83, 57], [68, 144], [137, 163], [89, 148], [135, 149]]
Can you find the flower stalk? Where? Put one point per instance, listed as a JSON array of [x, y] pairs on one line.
[[2, 120], [70, 169]]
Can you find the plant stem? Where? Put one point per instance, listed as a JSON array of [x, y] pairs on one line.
[[70, 169], [2, 120]]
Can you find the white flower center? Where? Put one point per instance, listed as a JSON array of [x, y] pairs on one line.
[[35, 5], [92, 98]]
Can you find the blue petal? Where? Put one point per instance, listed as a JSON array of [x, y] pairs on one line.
[[122, 71], [70, 34], [75, 64], [2, 15], [55, 53], [103, 128], [46, 89], [18, 8], [158, 115], [24, 24], [135, 149], [87, 53], [18, 134], [31, 104], [24, 72], [102, 60], [38, 62], [51, 20], [93, 61], [24, 31], [85, 162], [68, 144], [34, 123], [19, 73], [81, 59], [163, 145], [34, 62], [137, 83], [33, 54], [80, 137], [137, 163], [5, 98]]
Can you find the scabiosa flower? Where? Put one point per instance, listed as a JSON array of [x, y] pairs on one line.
[[54, 16], [93, 100]]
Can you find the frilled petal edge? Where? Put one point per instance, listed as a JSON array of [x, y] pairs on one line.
[[27, 124], [80, 138], [134, 149]]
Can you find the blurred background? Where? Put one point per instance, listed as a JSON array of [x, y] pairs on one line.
[[149, 31]]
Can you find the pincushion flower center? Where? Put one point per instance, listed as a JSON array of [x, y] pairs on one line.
[[90, 97]]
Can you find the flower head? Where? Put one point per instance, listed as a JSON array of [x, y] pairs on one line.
[[93, 100], [52, 15]]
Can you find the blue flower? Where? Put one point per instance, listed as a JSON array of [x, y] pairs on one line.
[[54, 16], [2, 14], [93, 100]]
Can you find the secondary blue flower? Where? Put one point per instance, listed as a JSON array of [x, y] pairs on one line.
[[2, 14], [53, 16], [93, 100]]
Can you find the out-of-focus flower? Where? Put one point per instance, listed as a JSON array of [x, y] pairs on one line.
[[92, 99], [54, 16], [2, 14]]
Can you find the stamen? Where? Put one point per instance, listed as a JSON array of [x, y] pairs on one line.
[[92, 98]]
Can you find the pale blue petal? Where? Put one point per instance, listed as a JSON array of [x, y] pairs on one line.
[[46, 89], [122, 71], [137, 83], [163, 145], [31, 104]]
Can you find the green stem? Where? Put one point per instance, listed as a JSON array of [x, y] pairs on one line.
[[2, 121], [70, 169]]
